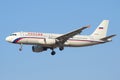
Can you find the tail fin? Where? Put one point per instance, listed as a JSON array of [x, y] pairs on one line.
[[101, 30]]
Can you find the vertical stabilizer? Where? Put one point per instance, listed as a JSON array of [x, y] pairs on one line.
[[101, 30]]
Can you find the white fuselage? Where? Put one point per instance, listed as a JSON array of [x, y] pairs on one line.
[[49, 39]]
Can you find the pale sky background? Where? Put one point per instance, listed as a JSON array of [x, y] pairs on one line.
[[100, 62]]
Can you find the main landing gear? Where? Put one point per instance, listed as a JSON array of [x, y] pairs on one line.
[[53, 52], [61, 48], [20, 49]]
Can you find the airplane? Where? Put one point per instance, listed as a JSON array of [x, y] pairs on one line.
[[43, 41]]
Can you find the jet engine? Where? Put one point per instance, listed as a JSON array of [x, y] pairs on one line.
[[38, 48]]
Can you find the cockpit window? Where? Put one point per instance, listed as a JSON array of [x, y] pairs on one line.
[[13, 34]]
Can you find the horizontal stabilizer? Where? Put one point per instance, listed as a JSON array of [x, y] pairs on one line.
[[108, 37]]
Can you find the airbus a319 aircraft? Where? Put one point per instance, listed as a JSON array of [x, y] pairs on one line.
[[43, 41]]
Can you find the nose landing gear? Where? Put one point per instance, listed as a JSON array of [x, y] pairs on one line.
[[20, 49]]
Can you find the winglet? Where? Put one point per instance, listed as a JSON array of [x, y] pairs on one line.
[[88, 26]]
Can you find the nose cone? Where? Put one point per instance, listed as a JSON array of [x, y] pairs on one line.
[[8, 39]]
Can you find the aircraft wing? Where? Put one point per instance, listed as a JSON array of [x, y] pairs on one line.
[[62, 39]]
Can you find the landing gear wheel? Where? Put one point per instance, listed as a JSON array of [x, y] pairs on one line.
[[61, 48], [53, 53], [20, 49]]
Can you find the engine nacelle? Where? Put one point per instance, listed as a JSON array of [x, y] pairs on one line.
[[50, 41], [38, 48]]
